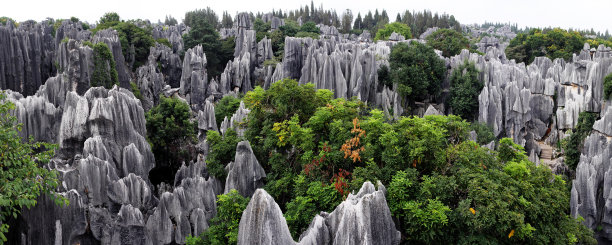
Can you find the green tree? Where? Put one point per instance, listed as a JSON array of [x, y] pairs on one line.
[[202, 15], [105, 72], [553, 43], [108, 18], [226, 107], [310, 27], [171, 133], [317, 197], [22, 175], [170, 21], [218, 52], [397, 27], [224, 226], [417, 70], [484, 133], [449, 41], [465, 88], [222, 151]]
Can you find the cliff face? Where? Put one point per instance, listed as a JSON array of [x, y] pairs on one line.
[[26, 56]]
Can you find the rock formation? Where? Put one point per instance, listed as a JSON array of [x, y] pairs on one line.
[[26, 56], [591, 197], [111, 38], [362, 218], [194, 80], [244, 174], [236, 122]]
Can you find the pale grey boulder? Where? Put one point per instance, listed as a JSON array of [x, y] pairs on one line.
[[432, 111], [170, 63], [244, 174], [236, 122], [96, 177], [262, 222], [151, 83], [206, 119], [71, 30]]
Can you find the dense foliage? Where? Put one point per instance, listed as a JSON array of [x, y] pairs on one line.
[[222, 151], [397, 27], [135, 41], [22, 180], [442, 188], [484, 133], [449, 41], [607, 87], [171, 132], [464, 91], [419, 22], [226, 108], [555, 43], [575, 142], [417, 70], [207, 15], [224, 226], [218, 52], [105, 72]]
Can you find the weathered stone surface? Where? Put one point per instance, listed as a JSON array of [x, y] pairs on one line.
[[396, 37], [174, 35], [244, 174], [75, 61], [26, 56], [428, 32], [236, 121], [363, 218], [591, 196], [168, 62], [206, 120], [243, 21], [71, 30], [151, 83], [111, 38], [194, 80], [262, 222]]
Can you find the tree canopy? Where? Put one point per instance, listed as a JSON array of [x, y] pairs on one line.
[[218, 52], [555, 43], [464, 91], [417, 70], [397, 27], [449, 41]]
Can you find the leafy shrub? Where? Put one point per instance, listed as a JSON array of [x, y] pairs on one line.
[[170, 132], [576, 139], [417, 70], [302, 209], [136, 91], [310, 27], [307, 34], [484, 133], [224, 226], [222, 151], [226, 107], [464, 91], [397, 27], [109, 17], [105, 72], [449, 41]]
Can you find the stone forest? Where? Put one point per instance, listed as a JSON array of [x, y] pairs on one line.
[[303, 126]]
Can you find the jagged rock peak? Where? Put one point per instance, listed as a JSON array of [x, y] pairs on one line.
[[26, 56], [262, 222], [194, 79], [244, 174]]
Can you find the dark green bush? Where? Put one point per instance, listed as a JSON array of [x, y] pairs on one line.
[[417, 69], [226, 107], [171, 132], [608, 87], [105, 72], [464, 91], [222, 151], [449, 41]]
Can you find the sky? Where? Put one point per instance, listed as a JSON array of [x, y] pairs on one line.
[[584, 14]]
